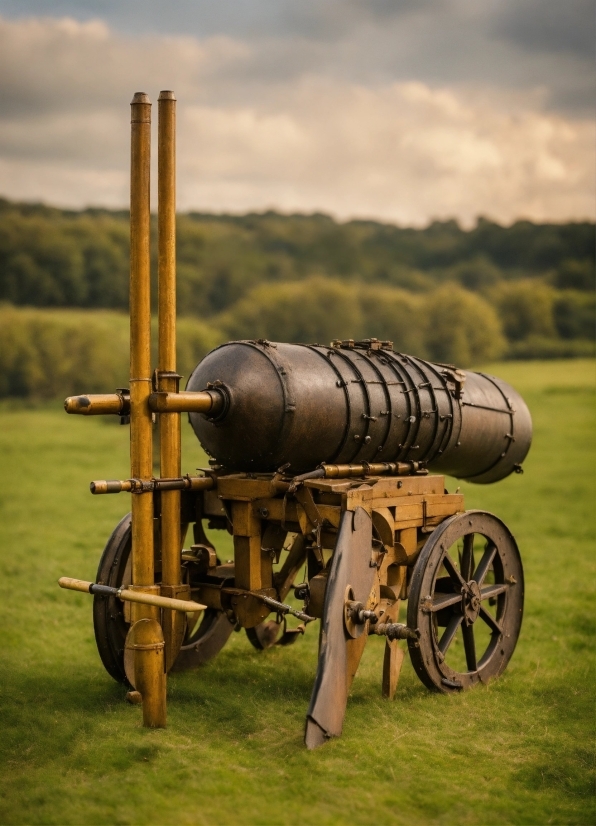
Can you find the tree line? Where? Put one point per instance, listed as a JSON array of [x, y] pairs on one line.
[[441, 292]]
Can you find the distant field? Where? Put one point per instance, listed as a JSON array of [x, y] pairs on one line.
[[519, 751]]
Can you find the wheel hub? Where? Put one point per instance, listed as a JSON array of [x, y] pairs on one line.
[[471, 598]]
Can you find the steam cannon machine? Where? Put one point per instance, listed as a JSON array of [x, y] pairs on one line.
[[320, 470]]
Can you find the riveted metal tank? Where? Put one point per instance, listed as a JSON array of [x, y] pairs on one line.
[[354, 402]]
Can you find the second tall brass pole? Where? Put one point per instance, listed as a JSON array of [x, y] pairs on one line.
[[145, 636], [167, 378]]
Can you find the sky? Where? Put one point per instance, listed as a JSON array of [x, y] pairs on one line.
[[405, 111]]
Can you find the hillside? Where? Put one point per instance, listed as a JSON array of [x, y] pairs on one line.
[[445, 293]]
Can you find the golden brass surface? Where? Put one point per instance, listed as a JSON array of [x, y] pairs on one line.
[[166, 402], [141, 459], [95, 404], [370, 469], [173, 622], [142, 605], [137, 485], [145, 640]]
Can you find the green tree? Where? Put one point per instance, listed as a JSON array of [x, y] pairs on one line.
[[575, 314], [463, 329], [525, 308], [394, 315], [315, 310], [574, 274]]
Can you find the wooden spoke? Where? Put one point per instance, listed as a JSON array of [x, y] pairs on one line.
[[490, 621], [451, 569], [469, 646], [467, 558], [450, 632], [493, 590], [441, 601], [485, 563]]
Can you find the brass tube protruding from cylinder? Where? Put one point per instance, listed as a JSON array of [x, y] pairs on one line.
[[211, 402], [97, 404], [141, 459]]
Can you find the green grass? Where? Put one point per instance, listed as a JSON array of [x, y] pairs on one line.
[[72, 751]]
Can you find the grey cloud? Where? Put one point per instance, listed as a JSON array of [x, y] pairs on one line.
[[60, 65], [549, 25], [319, 19], [399, 119], [507, 44]]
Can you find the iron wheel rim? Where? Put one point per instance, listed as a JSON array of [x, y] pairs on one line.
[[459, 600]]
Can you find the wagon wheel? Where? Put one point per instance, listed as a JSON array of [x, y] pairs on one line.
[[206, 633], [109, 623], [466, 599]]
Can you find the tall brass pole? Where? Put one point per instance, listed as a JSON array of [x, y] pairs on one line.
[[141, 460], [167, 378]]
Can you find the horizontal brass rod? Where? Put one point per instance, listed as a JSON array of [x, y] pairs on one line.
[[362, 469], [187, 606], [372, 469], [144, 485], [207, 401], [98, 404]]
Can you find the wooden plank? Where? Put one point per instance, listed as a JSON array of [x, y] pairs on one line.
[[436, 504], [244, 520], [330, 485], [242, 487], [274, 507], [247, 559], [392, 663], [408, 485]]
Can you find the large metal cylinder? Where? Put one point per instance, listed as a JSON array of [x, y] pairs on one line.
[[308, 404]]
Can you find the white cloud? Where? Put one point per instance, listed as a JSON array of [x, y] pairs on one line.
[[402, 151]]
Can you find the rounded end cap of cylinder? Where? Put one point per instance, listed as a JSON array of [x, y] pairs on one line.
[[140, 97], [166, 95], [77, 404]]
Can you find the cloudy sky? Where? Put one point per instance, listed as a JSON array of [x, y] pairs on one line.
[[403, 110]]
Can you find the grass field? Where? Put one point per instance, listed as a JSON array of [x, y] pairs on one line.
[[72, 751]]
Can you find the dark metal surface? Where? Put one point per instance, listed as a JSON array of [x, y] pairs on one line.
[[203, 639], [108, 612], [308, 404], [350, 568], [466, 600]]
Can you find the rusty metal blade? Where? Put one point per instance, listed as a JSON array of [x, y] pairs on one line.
[[338, 660]]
